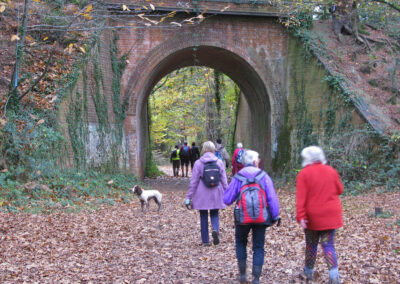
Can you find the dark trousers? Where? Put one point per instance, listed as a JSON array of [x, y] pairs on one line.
[[241, 235], [205, 238], [175, 167]]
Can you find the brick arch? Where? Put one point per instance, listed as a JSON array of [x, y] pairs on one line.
[[175, 54]]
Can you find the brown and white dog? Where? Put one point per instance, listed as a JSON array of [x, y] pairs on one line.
[[146, 195]]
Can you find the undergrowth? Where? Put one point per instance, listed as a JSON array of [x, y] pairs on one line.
[[64, 190]]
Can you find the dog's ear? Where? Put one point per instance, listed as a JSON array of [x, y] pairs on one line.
[[139, 190]]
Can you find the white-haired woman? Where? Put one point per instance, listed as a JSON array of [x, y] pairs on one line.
[[204, 198], [319, 210], [251, 172]]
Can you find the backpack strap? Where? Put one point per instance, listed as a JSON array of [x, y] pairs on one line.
[[241, 178], [259, 176]]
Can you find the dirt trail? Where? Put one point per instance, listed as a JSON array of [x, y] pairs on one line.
[[168, 182]]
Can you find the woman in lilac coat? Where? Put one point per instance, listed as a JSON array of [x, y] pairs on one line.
[[251, 169], [204, 198]]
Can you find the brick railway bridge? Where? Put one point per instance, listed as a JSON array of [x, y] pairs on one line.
[[239, 38]]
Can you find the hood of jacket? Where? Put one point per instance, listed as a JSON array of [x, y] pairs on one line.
[[208, 157], [250, 171]]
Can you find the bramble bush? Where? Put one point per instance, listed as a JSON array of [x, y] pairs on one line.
[[365, 161]]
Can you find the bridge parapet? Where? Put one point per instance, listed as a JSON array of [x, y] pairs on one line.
[[230, 7]]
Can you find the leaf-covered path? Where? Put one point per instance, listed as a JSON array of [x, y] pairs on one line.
[[120, 244]]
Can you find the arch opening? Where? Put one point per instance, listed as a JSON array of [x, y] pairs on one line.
[[225, 61], [193, 104]]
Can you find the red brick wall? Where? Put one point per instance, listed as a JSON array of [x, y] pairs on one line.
[[250, 50]]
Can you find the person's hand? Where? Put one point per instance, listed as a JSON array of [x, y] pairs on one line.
[[188, 203], [303, 223], [277, 221]]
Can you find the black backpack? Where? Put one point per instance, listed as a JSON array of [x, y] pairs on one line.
[[174, 154], [211, 176]]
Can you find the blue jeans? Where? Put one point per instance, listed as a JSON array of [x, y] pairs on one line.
[[241, 234], [205, 238]]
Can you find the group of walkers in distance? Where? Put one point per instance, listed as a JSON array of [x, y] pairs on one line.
[[182, 156], [318, 206]]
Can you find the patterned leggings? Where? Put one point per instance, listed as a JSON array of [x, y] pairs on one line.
[[327, 239]]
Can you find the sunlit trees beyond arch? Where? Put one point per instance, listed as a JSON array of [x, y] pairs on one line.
[[195, 104]]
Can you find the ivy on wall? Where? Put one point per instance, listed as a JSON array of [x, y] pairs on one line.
[[109, 148], [119, 107], [364, 158]]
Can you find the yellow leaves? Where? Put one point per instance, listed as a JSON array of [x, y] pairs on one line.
[[171, 14], [89, 8], [2, 8], [10, 4], [125, 8], [37, 1], [145, 7], [15, 37], [69, 48], [87, 16], [46, 38]]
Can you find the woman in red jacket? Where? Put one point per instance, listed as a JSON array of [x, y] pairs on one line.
[[319, 210]]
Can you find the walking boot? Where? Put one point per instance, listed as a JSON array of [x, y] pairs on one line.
[[256, 274], [307, 275], [242, 271], [334, 276], [215, 236]]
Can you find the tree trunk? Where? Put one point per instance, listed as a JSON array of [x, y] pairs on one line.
[[13, 93], [210, 116], [217, 87], [345, 20]]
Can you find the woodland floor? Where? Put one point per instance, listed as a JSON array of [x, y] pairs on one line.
[[120, 244]]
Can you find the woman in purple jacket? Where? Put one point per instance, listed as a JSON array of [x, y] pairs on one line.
[[205, 198], [251, 161]]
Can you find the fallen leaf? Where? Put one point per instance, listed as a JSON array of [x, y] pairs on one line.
[[14, 37]]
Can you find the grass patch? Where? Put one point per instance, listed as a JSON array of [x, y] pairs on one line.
[[67, 191]]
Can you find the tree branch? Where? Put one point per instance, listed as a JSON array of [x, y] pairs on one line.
[[391, 5], [50, 58]]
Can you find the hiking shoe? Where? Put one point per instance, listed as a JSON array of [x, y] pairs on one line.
[[256, 274], [305, 277], [205, 244], [215, 236]]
